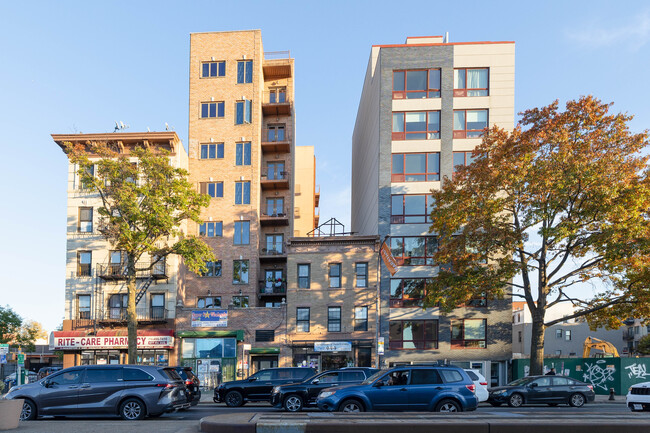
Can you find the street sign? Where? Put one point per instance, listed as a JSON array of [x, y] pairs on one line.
[[21, 359], [380, 346], [4, 349], [3, 359], [247, 347]]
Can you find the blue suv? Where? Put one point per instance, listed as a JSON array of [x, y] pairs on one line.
[[405, 388]]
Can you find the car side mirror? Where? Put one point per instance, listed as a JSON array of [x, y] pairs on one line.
[[252, 379], [379, 383], [47, 383], [533, 385], [315, 381]]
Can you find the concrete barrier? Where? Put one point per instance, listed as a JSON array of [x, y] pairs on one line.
[[10, 413]]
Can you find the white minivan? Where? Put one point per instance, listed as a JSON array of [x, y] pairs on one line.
[[481, 384]]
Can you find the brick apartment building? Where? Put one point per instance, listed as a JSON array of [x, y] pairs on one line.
[[423, 108]]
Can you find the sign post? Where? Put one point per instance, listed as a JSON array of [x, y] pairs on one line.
[[4, 350]]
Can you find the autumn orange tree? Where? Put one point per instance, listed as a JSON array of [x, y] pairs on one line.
[[561, 200]]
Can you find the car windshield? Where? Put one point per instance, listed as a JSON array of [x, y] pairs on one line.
[[374, 377], [521, 381]]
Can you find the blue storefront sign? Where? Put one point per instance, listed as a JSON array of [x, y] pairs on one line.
[[210, 318], [333, 346]]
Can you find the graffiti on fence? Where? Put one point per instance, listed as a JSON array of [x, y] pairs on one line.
[[597, 375], [637, 371]]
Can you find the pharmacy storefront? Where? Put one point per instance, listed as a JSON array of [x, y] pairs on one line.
[[155, 346]]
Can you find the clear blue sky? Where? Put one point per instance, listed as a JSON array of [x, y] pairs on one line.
[[70, 67]]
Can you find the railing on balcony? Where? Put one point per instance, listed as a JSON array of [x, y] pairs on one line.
[[273, 55], [275, 175], [117, 271], [275, 180], [272, 288], [274, 135], [118, 314]]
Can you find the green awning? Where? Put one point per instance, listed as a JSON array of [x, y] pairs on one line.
[[239, 334], [265, 351]]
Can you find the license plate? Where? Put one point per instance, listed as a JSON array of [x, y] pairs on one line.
[[638, 406]]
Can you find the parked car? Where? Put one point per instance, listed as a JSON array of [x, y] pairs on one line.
[[46, 371], [481, 384], [293, 397], [405, 388], [192, 384], [10, 380], [638, 397], [130, 391], [551, 390], [259, 385]]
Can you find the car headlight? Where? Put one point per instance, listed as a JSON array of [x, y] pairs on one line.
[[498, 392], [276, 389], [326, 394]]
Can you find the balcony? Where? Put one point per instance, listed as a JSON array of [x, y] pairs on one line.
[[275, 180], [269, 289], [275, 141], [276, 219], [143, 315], [277, 65], [276, 104], [317, 196], [276, 254], [117, 271], [316, 216]]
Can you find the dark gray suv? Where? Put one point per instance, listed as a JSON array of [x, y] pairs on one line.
[[130, 391]]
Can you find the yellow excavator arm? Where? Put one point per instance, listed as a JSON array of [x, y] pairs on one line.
[[595, 343]]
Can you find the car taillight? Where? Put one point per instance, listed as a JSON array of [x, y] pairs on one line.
[[188, 382], [483, 383], [590, 387], [165, 385], [471, 387]]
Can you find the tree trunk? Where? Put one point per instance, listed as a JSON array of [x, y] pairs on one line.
[[537, 345], [131, 317]]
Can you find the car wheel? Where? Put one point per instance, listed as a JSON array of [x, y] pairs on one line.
[[351, 406], [447, 405], [29, 411], [515, 400], [132, 409], [293, 403], [577, 400], [234, 399]]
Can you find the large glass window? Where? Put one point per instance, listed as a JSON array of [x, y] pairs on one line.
[[360, 318], [213, 189], [275, 170], [335, 275], [242, 233], [213, 69], [84, 259], [157, 306], [275, 206], [243, 153], [470, 123], [243, 192], [85, 224], [212, 109], [413, 334], [244, 71], [304, 276], [334, 319], [83, 307], [416, 84], [411, 208], [117, 304], [462, 158], [243, 112], [471, 82], [240, 301], [211, 229], [361, 273], [408, 292], [240, 272], [302, 319], [415, 167], [208, 302], [213, 269], [414, 250], [416, 125], [275, 133], [469, 333], [212, 151], [274, 243]]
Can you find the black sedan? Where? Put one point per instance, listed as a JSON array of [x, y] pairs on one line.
[[551, 390], [293, 397]]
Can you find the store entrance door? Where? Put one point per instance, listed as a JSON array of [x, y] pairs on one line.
[[263, 362]]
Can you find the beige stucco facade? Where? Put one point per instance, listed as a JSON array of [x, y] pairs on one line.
[[306, 192]]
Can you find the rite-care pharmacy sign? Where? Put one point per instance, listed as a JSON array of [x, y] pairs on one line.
[[111, 342]]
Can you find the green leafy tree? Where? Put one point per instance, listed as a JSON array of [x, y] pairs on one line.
[[644, 345], [562, 200], [144, 205], [15, 331]]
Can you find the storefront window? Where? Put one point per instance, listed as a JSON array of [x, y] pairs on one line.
[[209, 347]]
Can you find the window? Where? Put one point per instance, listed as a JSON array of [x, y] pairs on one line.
[[471, 82], [69, 377], [157, 307], [278, 95], [90, 170], [240, 272], [411, 208], [116, 262], [416, 125], [240, 301], [335, 275], [360, 318], [264, 335], [274, 243], [213, 189], [361, 272], [302, 319], [519, 336], [244, 72], [470, 123], [407, 292], [211, 229], [208, 302], [84, 259], [213, 69], [416, 84], [212, 109], [275, 170], [243, 192], [567, 335], [213, 269], [427, 377], [462, 159], [212, 151], [133, 374], [478, 301], [414, 250], [243, 153], [85, 224], [413, 334], [469, 333], [83, 307], [243, 112], [558, 333], [103, 375], [451, 376], [275, 206], [304, 278], [416, 167], [117, 304], [334, 319], [242, 233], [275, 133]]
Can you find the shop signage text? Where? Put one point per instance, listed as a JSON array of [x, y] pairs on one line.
[[333, 346], [210, 319], [92, 342]]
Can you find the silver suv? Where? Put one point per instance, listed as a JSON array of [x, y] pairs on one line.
[[130, 391]]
